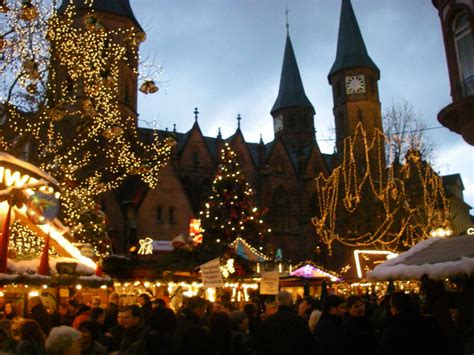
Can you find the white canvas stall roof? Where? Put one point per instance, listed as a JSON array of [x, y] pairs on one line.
[[439, 258]]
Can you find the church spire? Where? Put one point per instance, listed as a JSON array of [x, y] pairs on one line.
[[291, 91], [351, 50]]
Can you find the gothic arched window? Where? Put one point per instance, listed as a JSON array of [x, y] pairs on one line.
[[464, 47]]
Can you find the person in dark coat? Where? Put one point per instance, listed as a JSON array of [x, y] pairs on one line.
[[111, 312], [89, 338], [159, 337], [241, 343], [405, 333], [115, 334], [144, 301], [190, 337], [39, 313], [284, 332], [220, 334], [134, 328], [359, 333], [329, 331]]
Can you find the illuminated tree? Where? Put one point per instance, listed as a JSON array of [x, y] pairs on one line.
[[365, 204], [63, 109], [231, 210]]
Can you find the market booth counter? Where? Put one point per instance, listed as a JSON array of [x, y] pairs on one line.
[[308, 278], [438, 262], [37, 253]]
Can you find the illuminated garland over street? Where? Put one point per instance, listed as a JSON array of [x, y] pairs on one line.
[[68, 105], [364, 203]]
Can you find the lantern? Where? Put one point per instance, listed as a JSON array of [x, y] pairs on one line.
[[148, 87], [28, 11], [93, 24]]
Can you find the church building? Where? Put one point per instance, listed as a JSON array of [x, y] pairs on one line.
[[282, 171]]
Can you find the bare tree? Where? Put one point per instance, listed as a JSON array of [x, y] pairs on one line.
[[404, 130]]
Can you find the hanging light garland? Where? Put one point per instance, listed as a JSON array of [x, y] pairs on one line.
[[363, 203]]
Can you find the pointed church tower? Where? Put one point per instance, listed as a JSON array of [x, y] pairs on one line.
[[353, 78], [293, 113], [111, 15]]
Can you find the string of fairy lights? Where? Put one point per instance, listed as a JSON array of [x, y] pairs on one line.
[[72, 100], [405, 202]]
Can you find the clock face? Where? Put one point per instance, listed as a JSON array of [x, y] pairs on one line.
[[278, 123], [355, 84]]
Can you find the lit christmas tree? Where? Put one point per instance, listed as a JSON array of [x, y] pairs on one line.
[[66, 108], [231, 210], [365, 204]]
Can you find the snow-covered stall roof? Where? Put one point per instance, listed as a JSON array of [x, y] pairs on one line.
[[246, 251], [439, 258]]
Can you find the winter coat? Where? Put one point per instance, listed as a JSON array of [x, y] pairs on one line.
[[329, 333], [285, 333], [359, 335], [29, 347]]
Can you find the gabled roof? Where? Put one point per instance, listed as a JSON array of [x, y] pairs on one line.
[[117, 7], [351, 50], [309, 269], [246, 251], [291, 92]]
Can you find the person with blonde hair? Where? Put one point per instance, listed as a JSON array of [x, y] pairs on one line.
[[63, 340]]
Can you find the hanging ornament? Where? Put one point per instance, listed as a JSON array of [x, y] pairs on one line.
[[57, 113], [28, 11], [92, 23], [31, 88], [3, 7], [117, 131], [44, 268], [42, 207], [107, 78], [88, 107], [148, 87], [30, 68], [137, 38], [108, 133]]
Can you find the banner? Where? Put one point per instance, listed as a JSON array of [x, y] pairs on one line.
[[270, 283], [211, 274]]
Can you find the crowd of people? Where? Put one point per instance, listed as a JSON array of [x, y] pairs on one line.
[[398, 323]]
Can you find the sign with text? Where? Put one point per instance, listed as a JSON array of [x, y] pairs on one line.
[[211, 274], [270, 283]]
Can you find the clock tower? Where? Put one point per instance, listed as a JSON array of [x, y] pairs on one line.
[[293, 113], [354, 78]]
